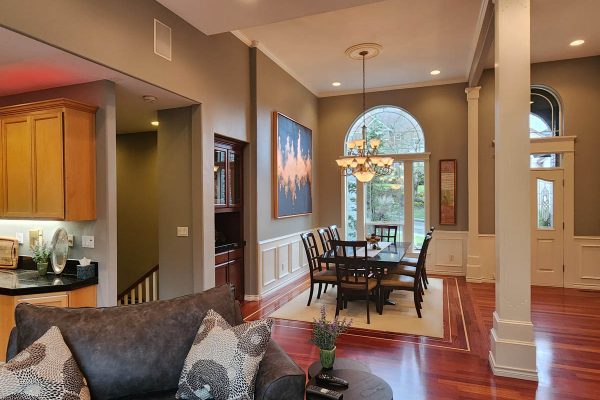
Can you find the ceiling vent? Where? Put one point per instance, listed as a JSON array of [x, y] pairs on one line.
[[162, 39]]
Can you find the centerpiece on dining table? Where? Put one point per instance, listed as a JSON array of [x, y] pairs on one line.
[[374, 240], [324, 336]]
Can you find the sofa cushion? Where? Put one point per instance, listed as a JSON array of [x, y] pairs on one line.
[[128, 350], [45, 370], [224, 360]]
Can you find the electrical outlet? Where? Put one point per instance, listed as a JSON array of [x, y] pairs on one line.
[[87, 242], [451, 257], [70, 239], [20, 237], [182, 231]]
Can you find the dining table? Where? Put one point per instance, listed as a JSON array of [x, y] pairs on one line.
[[378, 260]]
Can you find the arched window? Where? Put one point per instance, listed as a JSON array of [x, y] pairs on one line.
[[544, 121], [400, 198]]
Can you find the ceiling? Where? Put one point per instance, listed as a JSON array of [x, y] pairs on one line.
[[308, 38], [28, 65], [218, 16]]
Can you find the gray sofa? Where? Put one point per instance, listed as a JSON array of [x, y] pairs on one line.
[[137, 351]]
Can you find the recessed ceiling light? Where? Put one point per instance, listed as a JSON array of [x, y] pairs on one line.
[[577, 42], [435, 72], [149, 98], [336, 84], [154, 123]]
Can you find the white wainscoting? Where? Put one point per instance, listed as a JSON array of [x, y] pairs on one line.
[[447, 253], [280, 260], [582, 261]]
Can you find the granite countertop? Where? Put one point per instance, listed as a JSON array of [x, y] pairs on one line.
[[26, 280]]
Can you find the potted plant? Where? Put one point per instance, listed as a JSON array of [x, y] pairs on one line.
[[324, 335], [41, 255]]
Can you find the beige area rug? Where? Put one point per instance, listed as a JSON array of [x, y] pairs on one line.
[[401, 318]]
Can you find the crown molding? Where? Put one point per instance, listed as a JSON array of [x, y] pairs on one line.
[[395, 87], [253, 43]]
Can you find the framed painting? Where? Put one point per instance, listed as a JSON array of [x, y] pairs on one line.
[[447, 192], [292, 167]]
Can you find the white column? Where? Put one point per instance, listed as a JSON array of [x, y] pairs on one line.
[[513, 350], [473, 263]]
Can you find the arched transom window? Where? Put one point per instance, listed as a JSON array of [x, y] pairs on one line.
[[401, 198]]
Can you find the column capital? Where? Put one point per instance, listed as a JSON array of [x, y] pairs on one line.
[[472, 92]]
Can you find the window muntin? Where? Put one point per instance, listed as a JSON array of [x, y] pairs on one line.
[[383, 200], [400, 133]]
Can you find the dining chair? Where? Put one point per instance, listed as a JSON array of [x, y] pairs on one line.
[[412, 262], [390, 282], [353, 274], [387, 233], [325, 238], [317, 274], [335, 234]]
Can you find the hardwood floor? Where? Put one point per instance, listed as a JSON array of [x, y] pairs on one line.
[[567, 324]]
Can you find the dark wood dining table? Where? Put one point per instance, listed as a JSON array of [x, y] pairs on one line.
[[388, 257]]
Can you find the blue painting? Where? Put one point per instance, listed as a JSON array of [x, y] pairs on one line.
[[293, 167]]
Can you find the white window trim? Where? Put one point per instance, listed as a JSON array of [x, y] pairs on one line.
[[407, 234]]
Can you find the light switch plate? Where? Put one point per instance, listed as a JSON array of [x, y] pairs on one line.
[[20, 237], [70, 239], [87, 242], [183, 231]]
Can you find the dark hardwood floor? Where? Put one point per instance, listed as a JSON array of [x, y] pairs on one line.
[[567, 324]]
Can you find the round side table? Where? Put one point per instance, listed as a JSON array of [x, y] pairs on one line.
[[340, 363], [362, 386]]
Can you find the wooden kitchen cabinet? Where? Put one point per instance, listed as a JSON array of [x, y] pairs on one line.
[[48, 161], [229, 268], [82, 297]]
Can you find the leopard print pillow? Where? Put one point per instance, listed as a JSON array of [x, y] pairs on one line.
[[223, 361], [46, 370]]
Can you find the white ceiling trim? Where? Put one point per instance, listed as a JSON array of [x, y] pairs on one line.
[[395, 87], [269, 54], [481, 19]]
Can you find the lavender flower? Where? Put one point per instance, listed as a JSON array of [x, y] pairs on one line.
[[325, 332]]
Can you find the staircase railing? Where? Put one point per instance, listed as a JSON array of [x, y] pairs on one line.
[[143, 290]]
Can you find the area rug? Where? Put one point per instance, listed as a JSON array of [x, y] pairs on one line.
[[401, 318]]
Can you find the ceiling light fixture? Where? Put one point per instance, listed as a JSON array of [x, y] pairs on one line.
[[154, 123], [362, 160], [336, 84], [435, 72], [577, 42], [149, 98]]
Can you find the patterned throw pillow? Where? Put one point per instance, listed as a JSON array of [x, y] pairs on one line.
[[223, 361], [46, 370]]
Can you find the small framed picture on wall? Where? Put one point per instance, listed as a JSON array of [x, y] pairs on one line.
[[448, 192]]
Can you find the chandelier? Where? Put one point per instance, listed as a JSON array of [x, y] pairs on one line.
[[361, 159]]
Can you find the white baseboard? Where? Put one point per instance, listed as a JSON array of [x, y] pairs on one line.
[[251, 297], [507, 372]]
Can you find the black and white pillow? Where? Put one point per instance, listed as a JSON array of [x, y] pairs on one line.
[[223, 361], [46, 370]]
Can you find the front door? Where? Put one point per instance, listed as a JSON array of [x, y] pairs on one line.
[[547, 226]]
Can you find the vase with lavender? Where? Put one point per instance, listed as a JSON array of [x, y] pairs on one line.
[[324, 336]]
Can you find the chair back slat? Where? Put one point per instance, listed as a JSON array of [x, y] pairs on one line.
[[387, 233], [335, 234], [351, 261], [312, 251], [325, 237]]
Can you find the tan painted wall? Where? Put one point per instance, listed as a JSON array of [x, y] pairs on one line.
[[442, 113], [211, 70], [137, 206], [577, 82], [273, 89]]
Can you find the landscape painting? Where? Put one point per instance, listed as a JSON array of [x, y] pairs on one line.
[[292, 146]]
